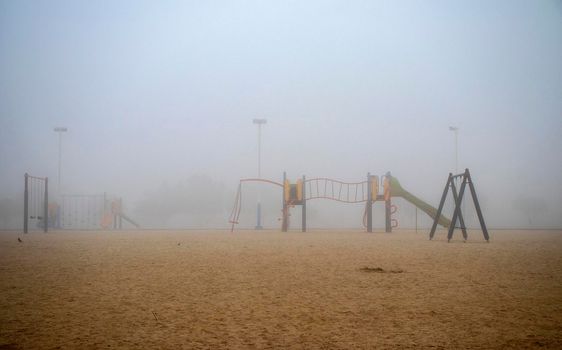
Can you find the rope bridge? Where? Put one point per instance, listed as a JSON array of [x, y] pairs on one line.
[[316, 188], [346, 192]]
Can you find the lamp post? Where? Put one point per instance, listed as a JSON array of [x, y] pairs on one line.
[[259, 123], [456, 131], [60, 130]]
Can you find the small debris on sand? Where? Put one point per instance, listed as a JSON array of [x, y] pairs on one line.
[[379, 270], [19, 240]]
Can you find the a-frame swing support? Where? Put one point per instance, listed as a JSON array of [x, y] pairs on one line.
[[457, 214]]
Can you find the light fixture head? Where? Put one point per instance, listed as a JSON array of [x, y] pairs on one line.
[[259, 121], [60, 129]]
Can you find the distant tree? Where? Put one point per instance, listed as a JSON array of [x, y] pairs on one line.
[[198, 199]]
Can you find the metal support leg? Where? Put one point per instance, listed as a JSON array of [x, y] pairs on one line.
[[477, 206], [303, 225], [461, 220], [440, 209], [457, 209], [25, 203], [369, 204], [46, 206]]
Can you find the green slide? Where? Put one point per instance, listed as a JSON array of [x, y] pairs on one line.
[[398, 191], [129, 220]]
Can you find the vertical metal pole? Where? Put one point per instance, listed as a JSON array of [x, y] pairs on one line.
[[456, 151], [387, 205], [258, 224], [61, 212], [477, 206], [457, 208], [46, 206], [461, 220], [114, 212], [387, 211], [25, 203], [303, 225], [120, 213], [440, 209], [60, 157], [258, 213], [259, 151], [369, 204], [416, 219], [284, 224]]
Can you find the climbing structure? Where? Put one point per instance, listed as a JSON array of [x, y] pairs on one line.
[[89, 212], [35, 202], [304, 190]]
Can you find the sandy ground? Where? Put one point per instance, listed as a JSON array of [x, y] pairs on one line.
[[214, 289]]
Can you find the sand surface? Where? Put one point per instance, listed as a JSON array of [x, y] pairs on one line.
[[214, 289]]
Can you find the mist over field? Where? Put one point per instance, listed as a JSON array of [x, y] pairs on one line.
[[159, 98]]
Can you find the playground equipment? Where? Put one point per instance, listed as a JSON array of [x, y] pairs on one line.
[[116, 216], [90, 212], [457, 214], [35, 201], [78, 212], [303, 190]]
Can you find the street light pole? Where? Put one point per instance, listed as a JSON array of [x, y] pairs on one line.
[[259, 123], [60, 130], [456, 131]]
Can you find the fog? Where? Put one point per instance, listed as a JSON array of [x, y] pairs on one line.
[[159, 97]]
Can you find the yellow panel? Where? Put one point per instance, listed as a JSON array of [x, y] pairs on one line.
[[299, 190], [287, 190], [386, 186], [374, 187]]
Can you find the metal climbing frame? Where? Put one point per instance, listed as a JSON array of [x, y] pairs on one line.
[[36, 202], [82, 212]]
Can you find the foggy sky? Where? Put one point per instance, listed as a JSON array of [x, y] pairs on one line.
[[155, 92]]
